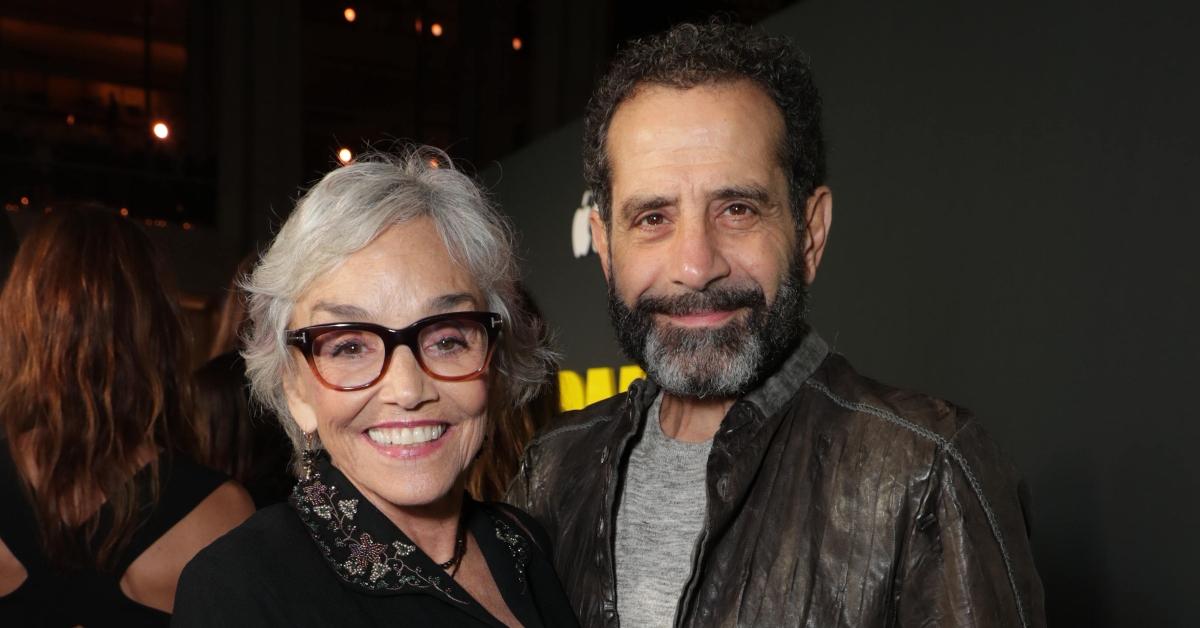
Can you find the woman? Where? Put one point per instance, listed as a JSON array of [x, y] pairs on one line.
[[241, 439], [386, 337], [102, 505]]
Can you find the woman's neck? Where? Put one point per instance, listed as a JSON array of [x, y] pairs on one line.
[[433, 527]]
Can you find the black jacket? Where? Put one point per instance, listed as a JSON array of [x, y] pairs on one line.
[[833, 500], [330, 558]]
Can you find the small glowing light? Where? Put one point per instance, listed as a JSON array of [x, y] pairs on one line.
[[517, 43], [435, 29], [418, 25], [11, 207], [25, 200], [70, 119], [160, 223], [350, 14], [187, 226], [161, 130], [124, 211], [344, 155], [433, 163]]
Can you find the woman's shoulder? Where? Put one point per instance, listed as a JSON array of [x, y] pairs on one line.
[[264, 548], [265, 541], [251, 575]]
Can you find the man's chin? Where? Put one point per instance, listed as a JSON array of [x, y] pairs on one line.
[[700, 384], [692, 362]]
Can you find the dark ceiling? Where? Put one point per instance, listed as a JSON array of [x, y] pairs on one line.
[[84, 84]]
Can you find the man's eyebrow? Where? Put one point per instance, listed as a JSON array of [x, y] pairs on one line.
[[343, 311], [750, 192], [447, 302], [637, 204]]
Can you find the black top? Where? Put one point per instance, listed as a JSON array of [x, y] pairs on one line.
[[54, 596], [330, 558]]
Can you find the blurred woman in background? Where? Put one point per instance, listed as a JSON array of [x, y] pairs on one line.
[[241, 438], [102, 503]]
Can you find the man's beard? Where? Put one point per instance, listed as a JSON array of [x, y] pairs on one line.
[[726, 361]]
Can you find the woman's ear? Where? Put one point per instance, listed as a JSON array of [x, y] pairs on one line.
[[299, 407]]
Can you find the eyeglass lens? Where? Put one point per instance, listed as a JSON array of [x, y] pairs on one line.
[[354, 357]]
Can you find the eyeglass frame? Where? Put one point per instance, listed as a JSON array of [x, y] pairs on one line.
[[304, 337]]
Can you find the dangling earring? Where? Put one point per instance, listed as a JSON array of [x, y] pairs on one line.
[[308, 455]]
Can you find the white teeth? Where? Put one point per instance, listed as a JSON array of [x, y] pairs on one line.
[[406, 435]]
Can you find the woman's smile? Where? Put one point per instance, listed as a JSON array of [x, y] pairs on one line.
[[409, 439]]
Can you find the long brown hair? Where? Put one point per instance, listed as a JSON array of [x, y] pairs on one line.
[[93, 370]]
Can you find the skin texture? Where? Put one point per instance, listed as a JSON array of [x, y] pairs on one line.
[[404, 275], [699, 199]]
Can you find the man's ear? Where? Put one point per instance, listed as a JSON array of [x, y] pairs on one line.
[[600, 242], [818, 219], [301, 410]]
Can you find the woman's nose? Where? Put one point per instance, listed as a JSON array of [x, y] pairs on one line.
[[405, 383]]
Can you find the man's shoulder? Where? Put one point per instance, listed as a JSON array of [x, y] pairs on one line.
[[910, 432], [577, 425], [867, 404]]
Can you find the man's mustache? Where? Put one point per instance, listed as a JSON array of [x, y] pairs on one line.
[[710, 300]]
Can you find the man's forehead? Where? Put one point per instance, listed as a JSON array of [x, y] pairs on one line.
[[704, 141], [682, 125], [750, 95]]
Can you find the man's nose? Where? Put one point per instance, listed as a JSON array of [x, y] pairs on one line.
[[697, 259], [405, 383]]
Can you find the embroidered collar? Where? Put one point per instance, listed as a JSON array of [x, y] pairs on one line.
[[369, 553]]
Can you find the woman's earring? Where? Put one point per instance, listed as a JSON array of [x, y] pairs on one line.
[[308, 455]]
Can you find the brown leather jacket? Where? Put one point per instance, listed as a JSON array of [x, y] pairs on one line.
[[833, 500]]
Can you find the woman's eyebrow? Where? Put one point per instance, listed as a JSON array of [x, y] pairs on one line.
[[447, 302], [341, 310]]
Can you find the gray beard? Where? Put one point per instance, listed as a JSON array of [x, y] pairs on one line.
[[727, 361]]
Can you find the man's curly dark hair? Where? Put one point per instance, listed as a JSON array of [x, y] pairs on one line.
[[688, 55]]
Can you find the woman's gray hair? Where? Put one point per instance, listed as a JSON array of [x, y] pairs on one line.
[[343, 213]]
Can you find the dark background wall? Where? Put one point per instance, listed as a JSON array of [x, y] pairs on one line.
[[1014, 229]]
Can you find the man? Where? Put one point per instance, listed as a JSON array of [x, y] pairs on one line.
[[754, 479]]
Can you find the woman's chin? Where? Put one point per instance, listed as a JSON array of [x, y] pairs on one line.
[[415, 486]]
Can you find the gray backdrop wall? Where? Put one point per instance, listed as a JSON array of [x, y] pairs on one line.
[[1015, 227]]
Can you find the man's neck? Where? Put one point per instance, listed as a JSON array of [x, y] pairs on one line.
[[692, 420]]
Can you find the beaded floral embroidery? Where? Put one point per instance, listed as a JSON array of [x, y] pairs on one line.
[[517, 545], [357, 557]]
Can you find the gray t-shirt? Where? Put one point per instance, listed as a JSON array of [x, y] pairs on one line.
[[661, 513]]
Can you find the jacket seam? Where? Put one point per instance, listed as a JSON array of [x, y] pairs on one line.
[[958, 457], [569, 428]]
